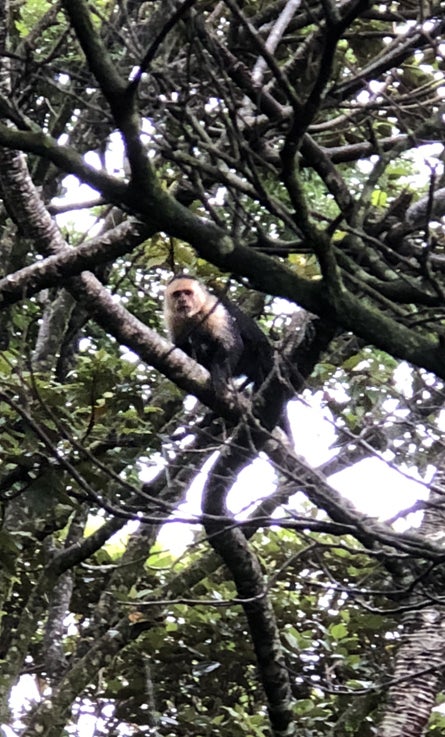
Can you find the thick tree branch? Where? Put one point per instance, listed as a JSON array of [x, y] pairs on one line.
[[68, 262], [270, 276]]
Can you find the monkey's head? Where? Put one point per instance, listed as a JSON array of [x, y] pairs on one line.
[[184, 296]]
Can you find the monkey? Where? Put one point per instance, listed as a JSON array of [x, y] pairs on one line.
[[216, 333]]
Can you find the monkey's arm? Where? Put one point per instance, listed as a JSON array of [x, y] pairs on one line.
[[225, 359]]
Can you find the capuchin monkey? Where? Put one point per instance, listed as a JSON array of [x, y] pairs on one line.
[[216, 333]]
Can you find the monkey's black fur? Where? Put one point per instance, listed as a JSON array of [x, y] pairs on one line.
[[216, 333]]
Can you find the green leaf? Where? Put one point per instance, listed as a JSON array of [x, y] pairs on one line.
[[379, 198], [338, 631]]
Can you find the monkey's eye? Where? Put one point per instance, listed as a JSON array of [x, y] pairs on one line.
[[182, 292]]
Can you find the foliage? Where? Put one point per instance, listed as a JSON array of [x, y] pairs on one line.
[[291, 156]]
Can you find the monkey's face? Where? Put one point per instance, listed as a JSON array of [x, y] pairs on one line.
[[185, 298]]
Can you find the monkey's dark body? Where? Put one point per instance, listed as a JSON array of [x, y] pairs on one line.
[[216, 333], [249, 353]]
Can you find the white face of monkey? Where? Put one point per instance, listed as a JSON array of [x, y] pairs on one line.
[[185, 297]]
